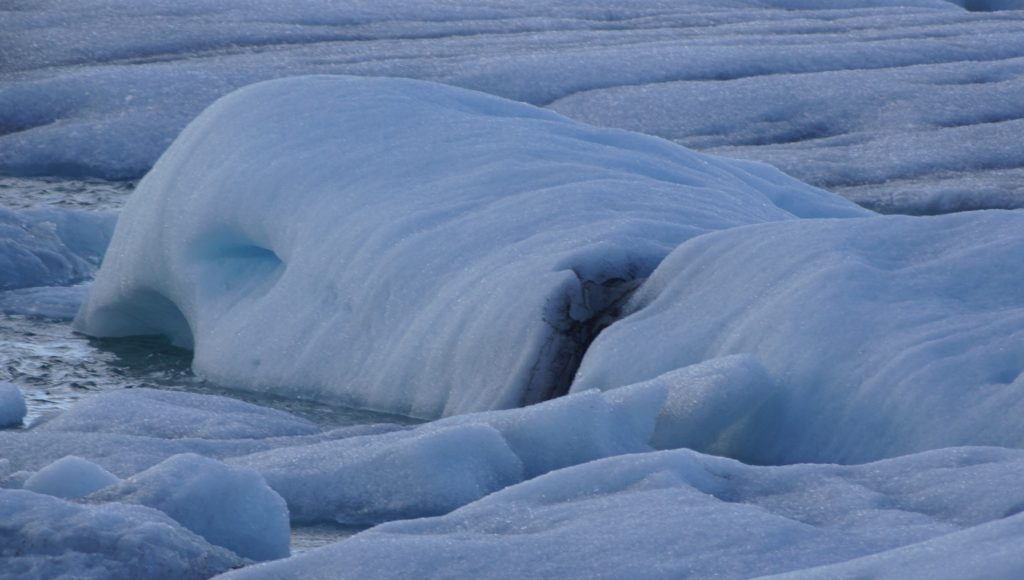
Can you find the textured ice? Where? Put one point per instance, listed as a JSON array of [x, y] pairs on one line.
[[440, 466], [228, 506], [456, 250], [679, 514], [51, 246], [367, 480], [70, 477], [12, 405], [907, 106], [46, 537], [175, 415], [885, 336], [44, 302]]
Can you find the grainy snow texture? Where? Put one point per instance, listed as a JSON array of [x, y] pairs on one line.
[[46, 537], [886, 335], [228, 506], [679, 514], [406, 246], [861, 96]]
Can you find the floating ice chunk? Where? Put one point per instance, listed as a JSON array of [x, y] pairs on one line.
[[70, 477], [884, 336], [228, 506], [472, 279], [51, 246], [48, 302], [46, 537], [12, 405], [367, 480], [675, 514], [126, 455], [176, 415]]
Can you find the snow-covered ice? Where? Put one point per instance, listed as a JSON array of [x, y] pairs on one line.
[[70, 477], [367, 480], [416, 248], [12, 405], [228, 506], [47, 537], [51, 246], [885, 336], [907, 106], [680, 514], [175, 415]]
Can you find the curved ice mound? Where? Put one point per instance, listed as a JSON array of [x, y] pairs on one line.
[[886, 336], [407, 246]]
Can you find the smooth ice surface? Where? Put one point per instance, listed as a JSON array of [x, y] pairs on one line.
[[415, 248], [175, 415], [51, 246], [367, 480], [678, 514], [885, 336], [907, 106], [46, 537], [12, 405], [229, 506], [70, 477]]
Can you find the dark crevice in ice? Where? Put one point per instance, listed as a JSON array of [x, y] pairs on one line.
[[561, 355]]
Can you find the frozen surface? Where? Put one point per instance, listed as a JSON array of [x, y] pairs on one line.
[[176, 415], [12, 405], [44, 302], [678, 514], [70, 477], [906, 106], [228, 506], [367, 480], [456, 253], [51, 246], [46, 537], [885, 336]]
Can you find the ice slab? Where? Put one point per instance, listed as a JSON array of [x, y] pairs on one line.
[[46, 537], [175, 415], [228, 506], [680, 514]]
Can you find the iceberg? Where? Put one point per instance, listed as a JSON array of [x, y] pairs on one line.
[[415, 248]]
